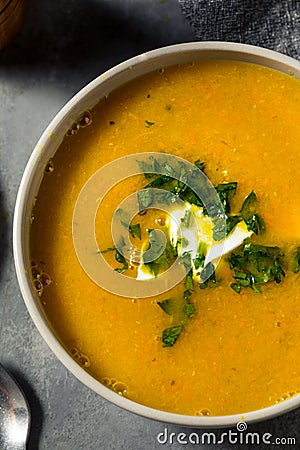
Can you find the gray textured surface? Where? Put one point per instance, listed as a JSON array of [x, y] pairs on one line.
[[273, 24], [59, 50]]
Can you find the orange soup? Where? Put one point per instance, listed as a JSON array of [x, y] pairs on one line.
[[234, 345]]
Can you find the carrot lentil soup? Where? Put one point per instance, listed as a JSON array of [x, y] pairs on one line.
[[238, 348]]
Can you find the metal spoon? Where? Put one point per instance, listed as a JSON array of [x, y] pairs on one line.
[[14, 414]]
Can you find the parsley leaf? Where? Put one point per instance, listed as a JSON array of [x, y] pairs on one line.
[[208, 275], [253, 220], [149, 124], [255, 223], [180, 310], [108, 249], [247, 207], [188, 283], [149, 168], [200, 256], [200, 164], [185, 220], [189, 308], [156, 247], [222, 228], [167, 306], [170, 335], [173, 179], [236, 287], [255, 265], [121, 259], [135, 230], [145, 198], [225, 191]]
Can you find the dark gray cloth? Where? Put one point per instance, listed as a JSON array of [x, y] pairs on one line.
[[273, 24]]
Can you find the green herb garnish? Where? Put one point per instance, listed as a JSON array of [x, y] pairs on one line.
[[159, 182], [208, 275], [297, 261], [188, 283], [135, 230], [180, 310], [185, 220], [149, 168], [167, 306], [145, 199], [247, 213], [121, 259], [247, 208], [222, 228], [255, 265], [225, 192], [182, 242], [149, 124], [236, 287], [200, 164], [108, 249], [253, 221], [231, 223], [200, 256], [170, 335], [157, 247], [255, 224], [252, 265], [172, 179], [189, 308]]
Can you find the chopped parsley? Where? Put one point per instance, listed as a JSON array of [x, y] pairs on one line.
[[180, 310], [145, 199], [200, 164], [255, 265], [167, 306], [252, 265], [200, 256], [189, 283], [167, 253], [121, 259], [108, 249], [189, 307], [222, 228], [186, 219], [135, 230], [247, 207], [225, 192], [170, 335], [208, 275], [149, 124], [253, 220], [247, 213], [171, 179]]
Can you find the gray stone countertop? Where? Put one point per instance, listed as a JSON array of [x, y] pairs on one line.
[[61, 47]]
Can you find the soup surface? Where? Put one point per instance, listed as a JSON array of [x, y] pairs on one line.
[[240, 349]]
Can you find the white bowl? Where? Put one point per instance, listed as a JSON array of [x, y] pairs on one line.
[[46, 147]]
